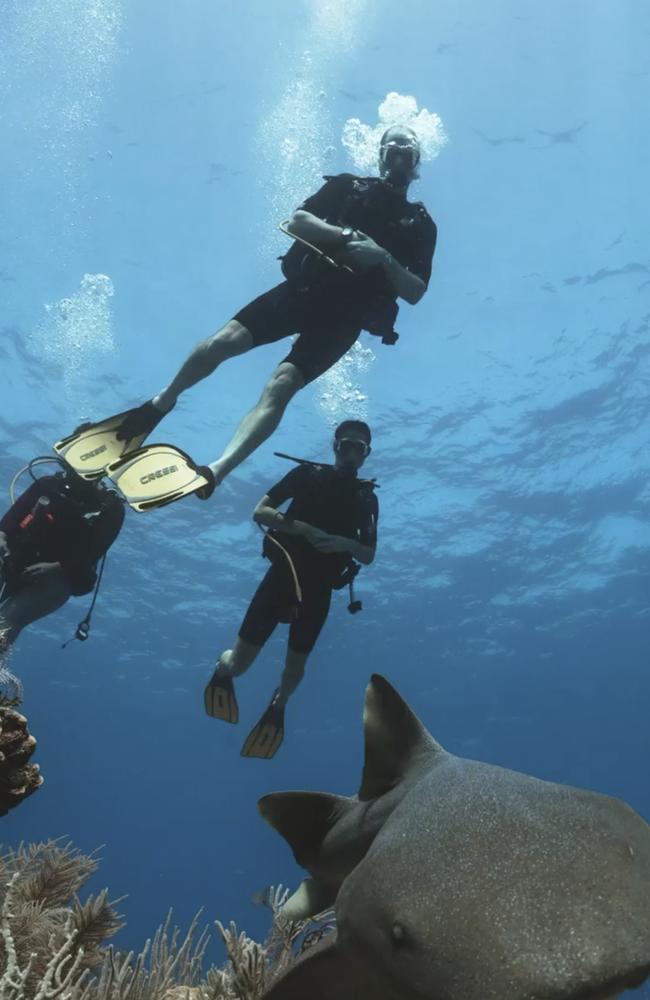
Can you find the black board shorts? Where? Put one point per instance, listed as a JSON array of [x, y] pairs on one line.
[[327, 320], [274, 597]]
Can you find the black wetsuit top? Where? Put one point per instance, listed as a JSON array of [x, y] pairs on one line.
[[329, 306], [71, 530], [333, 501], [370, 205]]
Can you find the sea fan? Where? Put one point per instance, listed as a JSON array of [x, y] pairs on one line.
[[54, 946]]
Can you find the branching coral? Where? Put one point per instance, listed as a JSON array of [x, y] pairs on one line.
[[289, 937], [165, 963], [63, 970], [248, 962], [49, 940], [53, 947]]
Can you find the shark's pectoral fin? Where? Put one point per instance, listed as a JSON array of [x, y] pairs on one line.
[[303, 819], [320, 974], [396, 742], [309, 899]]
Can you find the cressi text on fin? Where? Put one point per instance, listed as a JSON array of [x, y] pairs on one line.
[[156, 475]]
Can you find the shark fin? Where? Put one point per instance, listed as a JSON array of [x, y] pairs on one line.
[[303, 819], [309, 899], [395, 740]]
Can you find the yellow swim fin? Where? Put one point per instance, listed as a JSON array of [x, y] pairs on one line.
[[219, 699], [91, 447], [159, 474], [265, 739]]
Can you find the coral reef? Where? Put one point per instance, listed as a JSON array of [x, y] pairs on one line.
[[18, 778], [54, 946]]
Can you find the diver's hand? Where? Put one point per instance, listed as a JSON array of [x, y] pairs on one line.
[[362, 253], [39, 572]]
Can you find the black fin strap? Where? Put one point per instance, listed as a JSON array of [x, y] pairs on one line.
[[205, 492]]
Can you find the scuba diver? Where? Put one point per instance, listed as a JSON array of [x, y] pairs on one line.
[[331, 522], [51, 540], [359, 246]]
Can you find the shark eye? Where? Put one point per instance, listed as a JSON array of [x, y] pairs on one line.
[[398, 935]]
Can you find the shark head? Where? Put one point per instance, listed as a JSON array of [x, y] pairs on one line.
[[417, 923], [458, 880]]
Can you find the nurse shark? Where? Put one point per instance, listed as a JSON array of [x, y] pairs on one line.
[[454, 879]]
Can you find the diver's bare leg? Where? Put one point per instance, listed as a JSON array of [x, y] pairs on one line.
[[231, 340], [293, 673], [261, 421], [32, 603], [237, 660]]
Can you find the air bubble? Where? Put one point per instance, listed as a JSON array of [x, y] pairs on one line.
[[362, 141], [75, 330]]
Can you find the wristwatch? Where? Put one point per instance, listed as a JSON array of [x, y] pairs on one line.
[[347, 234]]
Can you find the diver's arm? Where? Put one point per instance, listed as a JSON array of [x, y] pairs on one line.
[[363, 253], [406, 285], [271, 517], [362, 553], [40, 570], [328, 544], [309, 227]]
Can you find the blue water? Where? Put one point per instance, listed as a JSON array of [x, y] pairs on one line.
[[509, 598]]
